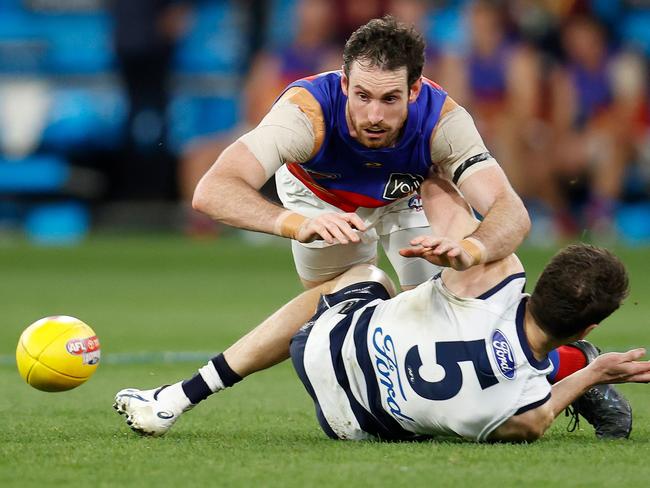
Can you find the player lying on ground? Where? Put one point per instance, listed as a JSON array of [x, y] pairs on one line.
[[465, 353], [349, 150]]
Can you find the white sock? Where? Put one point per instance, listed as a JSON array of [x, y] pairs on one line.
[[175, 395], [211, 377]]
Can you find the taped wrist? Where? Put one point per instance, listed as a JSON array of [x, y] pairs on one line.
[[474, 248], [288, 224]]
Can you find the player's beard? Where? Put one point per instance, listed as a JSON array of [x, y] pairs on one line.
[[387, 139]]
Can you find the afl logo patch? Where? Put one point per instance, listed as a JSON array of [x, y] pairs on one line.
[[415, 203], [503, 354]]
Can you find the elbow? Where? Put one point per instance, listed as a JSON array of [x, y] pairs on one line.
[[204, 200], [199, 201], [526, 223], [534, 430], [533, 434]]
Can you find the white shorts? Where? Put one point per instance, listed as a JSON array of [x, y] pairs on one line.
[[393, 226]]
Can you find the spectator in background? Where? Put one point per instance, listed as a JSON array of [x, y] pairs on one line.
[[313, 50], [350, 14], [597, 114], [500, 84], [442, 65], [145, 34]]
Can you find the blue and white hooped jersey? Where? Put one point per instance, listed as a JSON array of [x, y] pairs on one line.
[[348, 175], [426, 363]]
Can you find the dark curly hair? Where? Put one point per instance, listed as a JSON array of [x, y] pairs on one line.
[[387, 44], [582, 285]]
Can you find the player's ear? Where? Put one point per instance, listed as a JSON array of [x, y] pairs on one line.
[[414, 90], [587, 331], [344, 81]]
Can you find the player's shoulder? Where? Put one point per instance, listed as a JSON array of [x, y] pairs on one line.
[[308, 104], [322, 86], [301, 97]]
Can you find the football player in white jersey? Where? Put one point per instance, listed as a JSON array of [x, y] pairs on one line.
[[463, 354]]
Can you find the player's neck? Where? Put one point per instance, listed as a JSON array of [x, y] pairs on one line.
[[538, 340]]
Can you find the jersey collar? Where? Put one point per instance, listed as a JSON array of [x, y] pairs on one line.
[[523, 339]]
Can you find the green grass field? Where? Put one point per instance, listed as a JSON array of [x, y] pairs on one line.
[[146, 296]]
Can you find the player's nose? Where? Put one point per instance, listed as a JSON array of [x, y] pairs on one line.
[[375, 113]]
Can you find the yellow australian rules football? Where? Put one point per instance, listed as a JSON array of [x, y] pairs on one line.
[[57, 353]]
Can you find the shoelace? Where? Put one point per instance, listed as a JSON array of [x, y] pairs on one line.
[[574, 421]]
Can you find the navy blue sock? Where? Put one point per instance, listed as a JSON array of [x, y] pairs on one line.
[[197, 389]]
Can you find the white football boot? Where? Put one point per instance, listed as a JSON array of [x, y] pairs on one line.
[[147, 412]]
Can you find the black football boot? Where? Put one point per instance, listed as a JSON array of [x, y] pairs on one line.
[[603, 406]]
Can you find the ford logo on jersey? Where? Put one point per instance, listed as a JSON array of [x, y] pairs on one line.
[[389, 374], [503, 354]]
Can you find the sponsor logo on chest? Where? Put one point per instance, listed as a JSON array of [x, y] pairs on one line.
[[401, 185], [503, 354]]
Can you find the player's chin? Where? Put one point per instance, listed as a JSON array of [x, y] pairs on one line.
[[373, 143]]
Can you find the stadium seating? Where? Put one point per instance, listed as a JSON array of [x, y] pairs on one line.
[[71, 51]]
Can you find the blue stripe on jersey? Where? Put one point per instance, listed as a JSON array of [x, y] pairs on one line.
[[500, 285], [523, 340], [390, 428], [297, 349], [365, 419]]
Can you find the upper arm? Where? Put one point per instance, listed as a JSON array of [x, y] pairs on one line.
[[236, 162], [483, 187], [457, 148], [308, 105]]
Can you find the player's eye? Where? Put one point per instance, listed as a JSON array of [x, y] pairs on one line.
[[363, 97], [390, 99]]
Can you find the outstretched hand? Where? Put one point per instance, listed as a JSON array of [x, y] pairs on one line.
[[622, 367], [332, 227], [440, 251]]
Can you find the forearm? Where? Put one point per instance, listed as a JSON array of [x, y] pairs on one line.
[[234, 202], [565, 392], [229, 193], [504, 227], [449, 215]]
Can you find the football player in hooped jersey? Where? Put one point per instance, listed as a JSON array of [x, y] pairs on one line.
[[464, 354], [349, 150]]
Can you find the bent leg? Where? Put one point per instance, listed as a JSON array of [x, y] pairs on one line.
[[268, 343], [153, 412], [318, 265]]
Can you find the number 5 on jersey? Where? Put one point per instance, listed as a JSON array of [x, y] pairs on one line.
[[448, 356]]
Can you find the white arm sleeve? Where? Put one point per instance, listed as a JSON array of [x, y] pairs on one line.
[[285, 134], [457, 147]]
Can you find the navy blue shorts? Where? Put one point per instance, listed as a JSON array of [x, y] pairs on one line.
[[360, 295]]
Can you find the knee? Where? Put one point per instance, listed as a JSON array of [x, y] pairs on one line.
[[364, 272]]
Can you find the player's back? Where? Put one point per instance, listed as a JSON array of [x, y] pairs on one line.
[[428, 362]]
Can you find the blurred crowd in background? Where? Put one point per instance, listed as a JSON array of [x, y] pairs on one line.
[[117, 104]]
